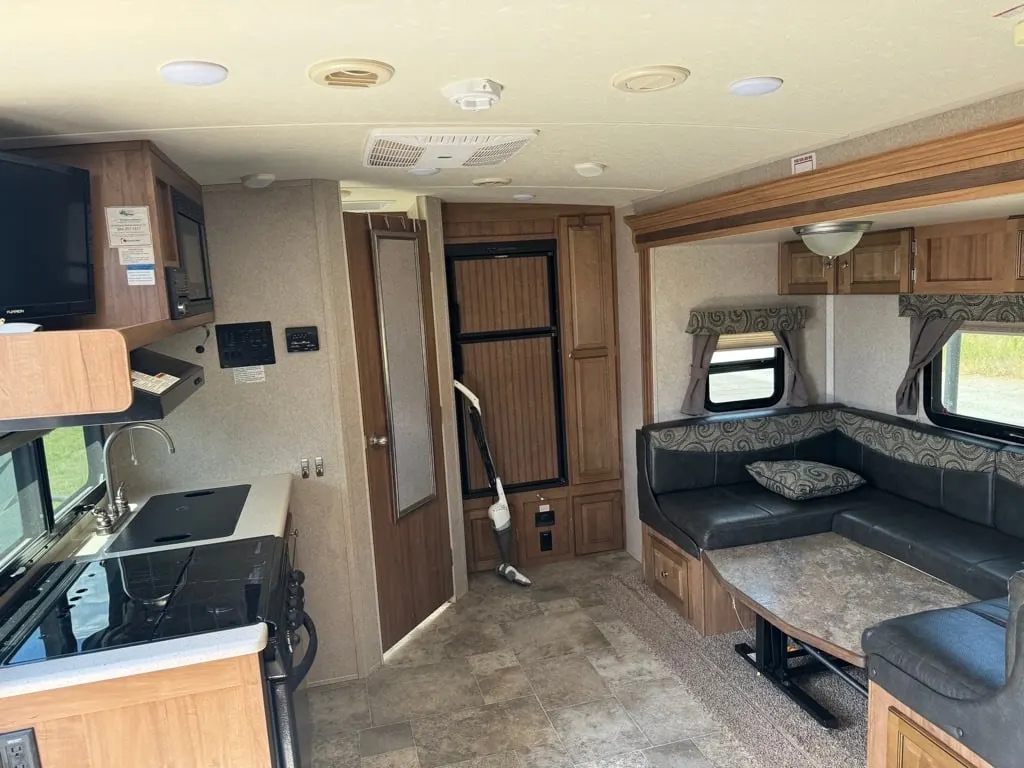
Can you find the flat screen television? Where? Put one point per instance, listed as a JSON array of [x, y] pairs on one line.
[[45, 240]]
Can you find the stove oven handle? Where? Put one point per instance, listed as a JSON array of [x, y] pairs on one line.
[[300, 671]]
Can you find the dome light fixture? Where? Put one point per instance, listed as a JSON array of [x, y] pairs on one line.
[[833, 238], [258, 180], [197, 73], [590, 170], [523, 197], [756, 86]]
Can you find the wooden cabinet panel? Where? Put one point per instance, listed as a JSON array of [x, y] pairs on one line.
[[910, 747], [669, 571], [594, 446], [482, 553], [591, 305], [1017, 261], [597, 522], [540, 543], [879, 264], [966, 257], [803, 272]]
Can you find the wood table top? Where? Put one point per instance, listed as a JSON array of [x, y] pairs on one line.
[[826, 590]]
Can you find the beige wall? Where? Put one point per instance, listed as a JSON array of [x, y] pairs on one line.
[[630, 372], [278, 254], [699, 275]]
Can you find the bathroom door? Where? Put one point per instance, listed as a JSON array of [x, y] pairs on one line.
[[399, 391]]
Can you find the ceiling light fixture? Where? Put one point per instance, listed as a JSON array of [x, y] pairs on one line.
[[523, 197], [589, 170], [756, 86], [351, 73], [650, 79], [193, 73], [833, 238], [424, 171], [258, 180], [492, 181], [474, 95]]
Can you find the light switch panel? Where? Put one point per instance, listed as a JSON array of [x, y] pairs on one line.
[[18, 750]]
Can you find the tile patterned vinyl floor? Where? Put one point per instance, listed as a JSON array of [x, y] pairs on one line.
[[507, 677]]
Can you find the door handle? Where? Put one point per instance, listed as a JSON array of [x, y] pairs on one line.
[[378, 441]]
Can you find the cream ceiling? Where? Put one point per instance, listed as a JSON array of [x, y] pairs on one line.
[[87, 71]]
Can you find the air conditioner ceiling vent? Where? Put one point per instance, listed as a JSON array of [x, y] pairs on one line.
[[444, 147]]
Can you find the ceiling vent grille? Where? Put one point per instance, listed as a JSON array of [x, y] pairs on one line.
[[351, 73], [443, 148]]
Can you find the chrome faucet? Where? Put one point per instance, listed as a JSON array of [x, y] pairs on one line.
[[116, 505]]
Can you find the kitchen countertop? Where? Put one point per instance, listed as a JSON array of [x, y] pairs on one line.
[[265, 513]]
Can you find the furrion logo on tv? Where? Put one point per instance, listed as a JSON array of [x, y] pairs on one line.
[[15, 312]]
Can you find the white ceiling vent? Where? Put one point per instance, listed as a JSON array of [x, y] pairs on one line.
[[351, 73], [443, 148], [365, 206]]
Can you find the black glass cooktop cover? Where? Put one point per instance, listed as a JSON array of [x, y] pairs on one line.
[[119, 601]]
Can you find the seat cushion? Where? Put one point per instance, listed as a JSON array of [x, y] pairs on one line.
[[800, 480], [973, 557], [735, 515], [956, 652]]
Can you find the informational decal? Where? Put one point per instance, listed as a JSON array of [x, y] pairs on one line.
[[128, 225], [141, 274], [155, 384], [803, 163], [136, 254], [250, 374]]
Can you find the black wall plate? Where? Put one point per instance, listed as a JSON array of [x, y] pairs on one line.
[[302, 338], [241, 344]]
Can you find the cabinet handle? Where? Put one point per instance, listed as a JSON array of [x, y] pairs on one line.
[[844, 265], [664, 574]]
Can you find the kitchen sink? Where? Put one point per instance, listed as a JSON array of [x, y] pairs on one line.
[[177, 518]]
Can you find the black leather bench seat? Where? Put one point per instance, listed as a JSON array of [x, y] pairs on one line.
[[973, 557], [735, 515], [930, 648]]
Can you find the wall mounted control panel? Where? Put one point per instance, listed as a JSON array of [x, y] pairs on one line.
[[244, 344], [18, 750], [304, 338]]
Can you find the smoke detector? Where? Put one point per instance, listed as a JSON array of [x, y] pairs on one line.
[[443, 147], [589, 170], [351, 73], [650, 79], [474, 95], [492, 181]]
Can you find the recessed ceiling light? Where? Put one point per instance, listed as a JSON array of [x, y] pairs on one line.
[[193, 72], [492, 181], [756, 86], [523, 197], [650, 79], [258, 180], [589, 170], [474, 95], [351, 73], [424, 171]]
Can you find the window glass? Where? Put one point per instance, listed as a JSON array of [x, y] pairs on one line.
[[979, 378], [745, 378], [21, 506], [67, 465]]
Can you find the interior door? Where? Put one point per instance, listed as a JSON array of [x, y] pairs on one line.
[[399, 392]]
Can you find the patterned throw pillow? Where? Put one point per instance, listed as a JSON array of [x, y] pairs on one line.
[[801, 480]]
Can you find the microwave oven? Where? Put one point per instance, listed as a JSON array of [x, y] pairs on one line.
[[189, 287]]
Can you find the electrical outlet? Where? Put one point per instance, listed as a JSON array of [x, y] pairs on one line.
[[18, 750]]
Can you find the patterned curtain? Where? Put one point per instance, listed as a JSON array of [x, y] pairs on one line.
[[757, 320]]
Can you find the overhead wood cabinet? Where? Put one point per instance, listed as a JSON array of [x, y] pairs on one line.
[[969, 257], [803, 272], [880, 264]]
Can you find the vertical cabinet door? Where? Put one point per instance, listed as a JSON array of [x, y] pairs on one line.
[[1017, 259], [966, 257], [803, 272], [597, 520], [482, 553], [590, 348], [910, 747], [879, 264]]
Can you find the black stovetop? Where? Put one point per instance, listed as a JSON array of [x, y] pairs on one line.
[[78, 607]]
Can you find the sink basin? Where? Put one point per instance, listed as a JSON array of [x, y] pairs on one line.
[[190, 516]]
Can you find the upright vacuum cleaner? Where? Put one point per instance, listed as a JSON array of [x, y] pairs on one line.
[[498, 512]]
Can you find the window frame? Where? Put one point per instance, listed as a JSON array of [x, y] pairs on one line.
[[932, 402], [777, 364], [56, 522]]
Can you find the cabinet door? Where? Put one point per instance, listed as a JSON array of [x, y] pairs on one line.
[[590, 353], [801, 271], [879, 264], [540, 540], [597, 521], [482, 553], [1017, 259], [967, 257], [910, 747]]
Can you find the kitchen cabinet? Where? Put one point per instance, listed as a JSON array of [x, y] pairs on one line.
[[597, 522], [879, 264], [911, 747], [969, 257], [803, 272], [590, 348], [482, 553], [136, 173]]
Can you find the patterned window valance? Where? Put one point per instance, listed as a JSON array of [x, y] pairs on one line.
[[1000, 308], [727, 321]]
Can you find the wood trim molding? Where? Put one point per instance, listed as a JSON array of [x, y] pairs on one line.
[[987, 162], [646, 333]]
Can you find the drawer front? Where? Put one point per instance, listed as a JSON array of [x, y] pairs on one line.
[[910, 747], [669, 573]]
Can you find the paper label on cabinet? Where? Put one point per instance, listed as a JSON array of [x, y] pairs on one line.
[[250, 374], [128, 225], [141, 274], [136, 254], [803, 163], [157, 384]]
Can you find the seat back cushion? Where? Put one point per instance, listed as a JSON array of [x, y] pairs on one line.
[[924, 464], [706, 452], [1009, 492]]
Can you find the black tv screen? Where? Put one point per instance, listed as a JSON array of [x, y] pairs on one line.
[[45, 240]]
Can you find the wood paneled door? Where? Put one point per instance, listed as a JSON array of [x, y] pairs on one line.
[[590, 348], [399, 392], [879, 264], [801, 271], [968, 257]]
